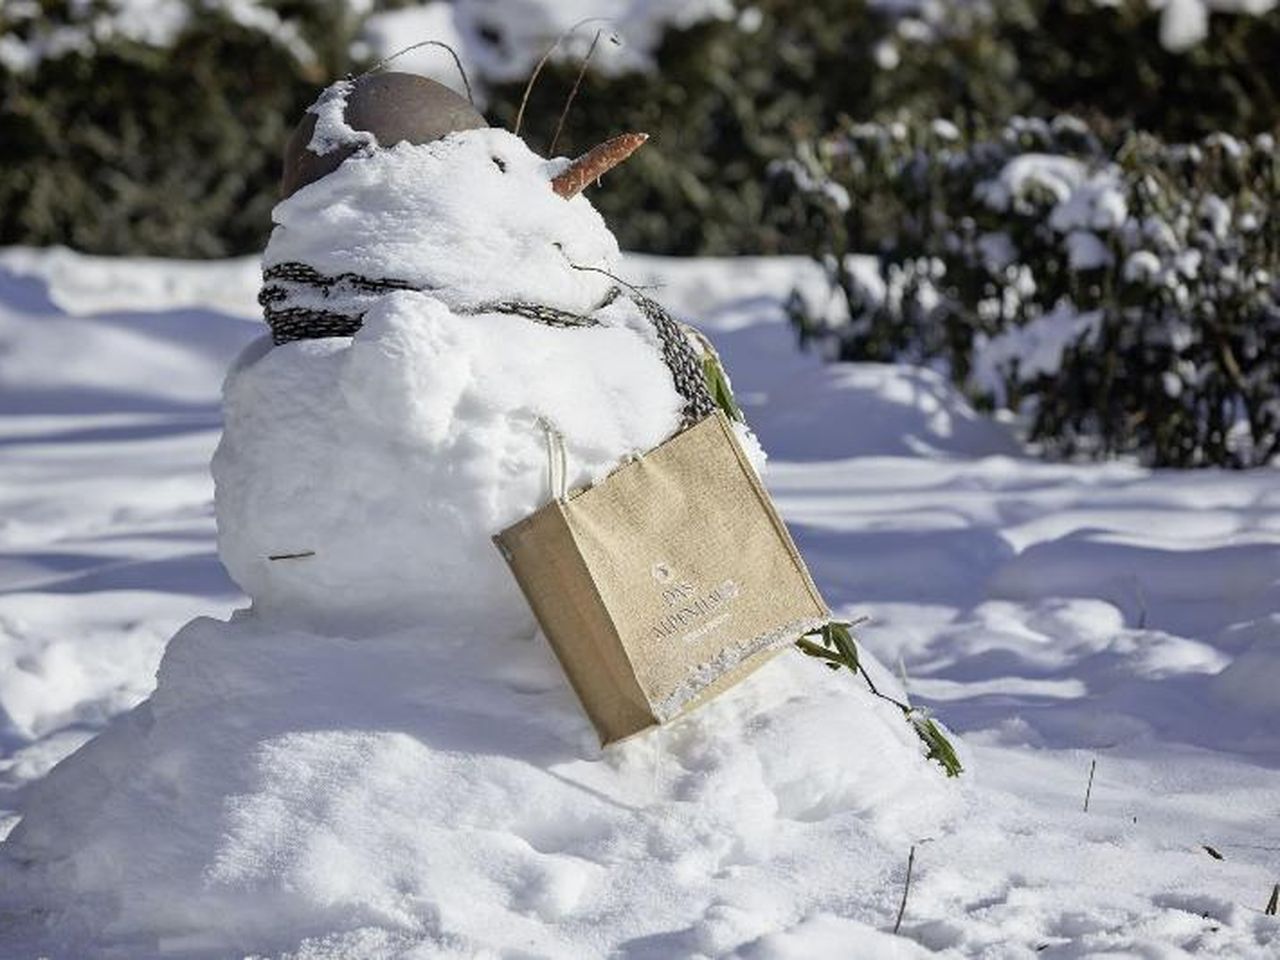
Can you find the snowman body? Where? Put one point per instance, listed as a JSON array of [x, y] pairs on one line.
[[359, 480]]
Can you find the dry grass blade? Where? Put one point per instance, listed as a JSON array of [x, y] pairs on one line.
[[542, 62], [906, 890], [573, 93]]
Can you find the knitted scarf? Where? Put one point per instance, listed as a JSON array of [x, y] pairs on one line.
[[300, 303]]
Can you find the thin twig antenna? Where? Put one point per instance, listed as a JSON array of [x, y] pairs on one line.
[[542, 62], [381, 64], [577, 82]]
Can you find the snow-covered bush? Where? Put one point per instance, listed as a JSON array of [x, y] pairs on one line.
[[156, 127], [1125, 297]]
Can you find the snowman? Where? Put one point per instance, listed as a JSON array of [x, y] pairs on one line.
[[446, 307]]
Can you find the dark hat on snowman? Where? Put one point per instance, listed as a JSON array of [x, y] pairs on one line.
[[394, 107], [407, 108]]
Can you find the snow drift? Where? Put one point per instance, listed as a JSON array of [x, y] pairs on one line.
[[434, 787]]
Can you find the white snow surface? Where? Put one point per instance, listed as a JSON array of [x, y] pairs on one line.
[[332, 131], [431, 787], [429, 791]]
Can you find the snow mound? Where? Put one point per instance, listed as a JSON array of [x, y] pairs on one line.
[[289, 791], [877, 410], [1252, 681]]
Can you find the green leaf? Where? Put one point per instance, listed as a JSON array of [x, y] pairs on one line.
[[809, 648], [718, 384], [842, 640], [940, 748]]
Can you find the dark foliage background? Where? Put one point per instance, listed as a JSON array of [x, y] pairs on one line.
[[135, 150], [171, 152]]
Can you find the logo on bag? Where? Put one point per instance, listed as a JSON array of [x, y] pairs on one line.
[[662, 573], [688, 607]]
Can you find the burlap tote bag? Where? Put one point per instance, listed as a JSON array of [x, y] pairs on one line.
[[666, 583]]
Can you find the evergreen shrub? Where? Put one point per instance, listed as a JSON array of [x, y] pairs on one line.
[[1123, 294]]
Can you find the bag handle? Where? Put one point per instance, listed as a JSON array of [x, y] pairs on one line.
[[557, 460]]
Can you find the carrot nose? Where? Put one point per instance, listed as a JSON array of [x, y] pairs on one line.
[[595, 163]]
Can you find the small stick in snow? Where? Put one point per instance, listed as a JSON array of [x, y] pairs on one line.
[[906, 890], [291, 556], [1212, 852], [1273, 905], [1141, 595], [1088, 791]]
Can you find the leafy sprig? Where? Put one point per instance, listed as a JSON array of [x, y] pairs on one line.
[[836, 647]]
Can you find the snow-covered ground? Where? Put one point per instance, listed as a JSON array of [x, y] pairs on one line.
[[1055, 615]]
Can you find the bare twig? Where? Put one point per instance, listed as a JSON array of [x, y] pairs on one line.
[[292, 556], [542, 62], [577, 82], [906, 889], [428, 43], [1088, 791], [639, 290], [1273, 905]]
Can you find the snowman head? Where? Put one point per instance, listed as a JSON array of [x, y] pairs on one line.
[[396, 177]]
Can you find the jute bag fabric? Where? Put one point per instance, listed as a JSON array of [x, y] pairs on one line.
[[666, 583]]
